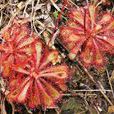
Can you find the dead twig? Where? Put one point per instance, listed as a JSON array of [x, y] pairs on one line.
[[110, 82], [56, 7]]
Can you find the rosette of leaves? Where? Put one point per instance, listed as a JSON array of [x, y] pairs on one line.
[[36, 76], [38, 82], [16, 46], [89, 34]]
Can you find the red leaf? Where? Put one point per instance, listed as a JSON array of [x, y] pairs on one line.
[[17, 45], [41, 82], [88, 35]]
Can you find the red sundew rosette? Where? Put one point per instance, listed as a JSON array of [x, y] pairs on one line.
[[41, 83], [88, 35], [16, 46]]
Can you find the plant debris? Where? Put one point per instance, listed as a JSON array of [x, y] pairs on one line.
[[50, 59]]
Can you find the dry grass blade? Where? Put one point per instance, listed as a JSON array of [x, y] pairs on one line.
[[110, 83], [54, 4], [3, 111]]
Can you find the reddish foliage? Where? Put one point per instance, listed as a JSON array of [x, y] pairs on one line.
[[16, 46], [88, 34], [35, 79], [41, 82]]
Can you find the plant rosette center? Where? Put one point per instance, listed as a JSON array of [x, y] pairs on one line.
[[34, 73]]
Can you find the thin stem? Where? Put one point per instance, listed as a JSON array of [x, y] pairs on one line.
[[13, 108], [86, 71], [94, 90], [57, 111], [102, 92], [53, 3], [87, 2], [3, 111], [29, 111], [79, 94], [51, 41], [73, 3], [110, 82]]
